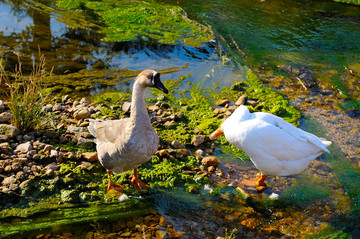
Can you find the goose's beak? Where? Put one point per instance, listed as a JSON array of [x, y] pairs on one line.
[[216, 133], [155, 79], [159, 85]]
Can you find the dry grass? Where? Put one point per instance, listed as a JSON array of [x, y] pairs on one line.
[[24, 94]]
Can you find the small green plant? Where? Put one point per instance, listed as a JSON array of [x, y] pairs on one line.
[[25, 95]]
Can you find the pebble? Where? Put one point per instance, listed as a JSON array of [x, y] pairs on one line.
[[24, 147], [176, 144], [241, 101], [85, 101], [126, 107], [210, 161], [222, 102], [81, 114], [197, 140], [75, 129], [90, 156]]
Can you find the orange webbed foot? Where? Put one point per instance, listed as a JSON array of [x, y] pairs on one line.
[[114, 188], [136, 183]]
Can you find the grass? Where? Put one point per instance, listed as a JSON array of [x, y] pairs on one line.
[[25, 95]]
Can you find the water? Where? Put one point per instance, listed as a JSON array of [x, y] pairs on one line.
[[321, 35]]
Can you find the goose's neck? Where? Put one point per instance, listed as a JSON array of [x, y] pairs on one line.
[[139, 114]]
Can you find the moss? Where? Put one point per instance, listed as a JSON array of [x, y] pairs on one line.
[[125, 21], [111, 98], [356, 2], [168, 173]]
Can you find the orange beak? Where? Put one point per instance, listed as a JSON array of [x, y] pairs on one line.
[[216, 133]]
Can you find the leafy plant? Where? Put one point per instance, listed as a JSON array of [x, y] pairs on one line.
[[25, 95]]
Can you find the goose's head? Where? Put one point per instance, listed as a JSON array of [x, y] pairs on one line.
[[240, 114], [151, 78]]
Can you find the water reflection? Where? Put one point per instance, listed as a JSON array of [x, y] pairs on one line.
[[70, 50]]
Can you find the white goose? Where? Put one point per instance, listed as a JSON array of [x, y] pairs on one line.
[[126, 143], [275, 146]]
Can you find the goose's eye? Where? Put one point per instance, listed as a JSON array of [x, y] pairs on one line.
[[154, 77]]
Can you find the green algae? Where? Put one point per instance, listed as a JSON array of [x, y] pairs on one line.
[[306, 190], [126, 21], [356, 2], [63, 216], [111, 98]]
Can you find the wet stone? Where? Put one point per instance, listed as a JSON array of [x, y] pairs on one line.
[[210, 161], [222, 102]]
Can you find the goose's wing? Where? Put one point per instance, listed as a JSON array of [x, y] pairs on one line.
[[107, 130], [294, 131]]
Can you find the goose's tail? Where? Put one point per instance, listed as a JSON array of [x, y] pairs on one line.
[[92, 127], [327, 143]]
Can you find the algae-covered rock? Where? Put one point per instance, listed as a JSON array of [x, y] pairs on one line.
[[70, 196], [9, 130]]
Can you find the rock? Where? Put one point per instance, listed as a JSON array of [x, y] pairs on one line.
[[210, 161], [65, 98], [85, 101], [252, 102], [47, 108], [199, 152], [126, 106], [48, 148], [154, 108], [57, 107], [168, 123], [70, 196], [85, 143], [176, 144], [52, 166], [4, 137], [5, 117], [51, 134], [75, 129], [182, 153], [85, 165], [198, 139], [222, 102], [25, 147], [81, 114], [38, 145], [241, 101], [54, 153], [2, 105], [9, 130], [90, 156], [9, 180], [162, 153], [4, 146], [84, 135]]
